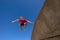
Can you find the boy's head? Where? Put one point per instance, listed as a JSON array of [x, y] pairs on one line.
[[21, 17]]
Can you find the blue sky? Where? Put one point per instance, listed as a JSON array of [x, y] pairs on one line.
[[13, 9]]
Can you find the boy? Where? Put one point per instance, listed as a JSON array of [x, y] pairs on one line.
[[23, 22]]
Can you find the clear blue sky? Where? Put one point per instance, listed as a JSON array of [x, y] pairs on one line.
[[13, 9]]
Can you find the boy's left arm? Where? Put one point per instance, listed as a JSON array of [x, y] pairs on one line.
[[29, 22]]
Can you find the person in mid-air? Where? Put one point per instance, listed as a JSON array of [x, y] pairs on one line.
[[23, 22]]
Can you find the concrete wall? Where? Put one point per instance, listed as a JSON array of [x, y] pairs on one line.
[[47, 25]]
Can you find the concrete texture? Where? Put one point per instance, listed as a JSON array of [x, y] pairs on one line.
[[47, 25]]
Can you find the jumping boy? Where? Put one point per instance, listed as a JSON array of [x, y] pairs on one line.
[[23, 22]]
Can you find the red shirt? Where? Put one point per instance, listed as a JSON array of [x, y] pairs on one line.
[[22, 21]]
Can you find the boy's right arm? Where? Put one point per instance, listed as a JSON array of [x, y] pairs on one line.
[[15, 20]]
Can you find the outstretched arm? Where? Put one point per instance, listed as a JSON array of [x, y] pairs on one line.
[[30, 22], [15, 20]]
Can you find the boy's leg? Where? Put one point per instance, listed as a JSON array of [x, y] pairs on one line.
[[24, 25], [20, 27]]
